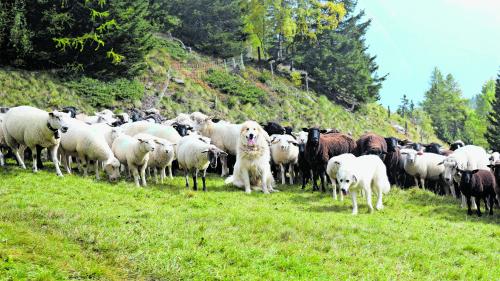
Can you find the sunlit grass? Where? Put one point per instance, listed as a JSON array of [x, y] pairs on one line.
[[77, 228]]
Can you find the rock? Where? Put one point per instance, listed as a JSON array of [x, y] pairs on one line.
[[178, 81]]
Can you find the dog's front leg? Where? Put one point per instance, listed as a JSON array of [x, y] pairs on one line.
[[246, 180]]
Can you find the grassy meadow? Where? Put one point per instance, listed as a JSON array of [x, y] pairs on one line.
[[76, 228]]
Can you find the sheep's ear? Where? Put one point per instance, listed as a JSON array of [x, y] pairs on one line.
[[323, 131], [205, 151], [440, 163], [475, 171], [489, 166], [51, 114], [223, 153], [305, 129]]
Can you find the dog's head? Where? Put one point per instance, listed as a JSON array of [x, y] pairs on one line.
[[252, 134]]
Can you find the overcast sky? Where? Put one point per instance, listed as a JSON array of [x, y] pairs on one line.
[[410, 38]]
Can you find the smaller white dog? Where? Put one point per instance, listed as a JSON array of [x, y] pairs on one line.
[[253, 157], [365, 173]]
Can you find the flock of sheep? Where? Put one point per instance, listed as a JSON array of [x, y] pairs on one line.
[[138, 143]]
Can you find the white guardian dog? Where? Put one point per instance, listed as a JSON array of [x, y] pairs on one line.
[[253, 158], [365, 173]]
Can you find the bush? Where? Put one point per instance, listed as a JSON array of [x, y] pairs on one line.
[[296, 78], [265, 76], [100, 93], [235, 85]]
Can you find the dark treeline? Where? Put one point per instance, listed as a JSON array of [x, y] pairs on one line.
[[109, 38]]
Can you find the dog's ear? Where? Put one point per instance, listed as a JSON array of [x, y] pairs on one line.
[[354, 178]]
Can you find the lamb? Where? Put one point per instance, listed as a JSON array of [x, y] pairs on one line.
[[161, 157], [28, 126], [423, 166], [224, 135], [482, 185], [365, 173], [161, 131], [195, 155], [333, 166], [82, 141], [321, 147], [371, 143], [285, 151], [134, 153], [469, 157]]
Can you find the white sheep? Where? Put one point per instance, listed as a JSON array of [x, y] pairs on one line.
[[332, 169], [105, 116], [494, 157], [28, 127], [134, 153], [224, 135], [422, 166], [467, 158], [195, 155], [367, 173], [161, 157], [88, 145], [161, 131], [285, 151], [2, 141]]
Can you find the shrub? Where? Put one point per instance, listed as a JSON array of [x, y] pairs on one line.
[[296, 78], [236, 86], [100, 93], [265, 76]]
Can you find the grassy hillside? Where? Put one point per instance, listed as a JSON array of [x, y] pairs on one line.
[[76, 228], [205, 86]]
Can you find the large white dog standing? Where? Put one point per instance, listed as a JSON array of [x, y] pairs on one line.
[[367, 173], [252, 159]]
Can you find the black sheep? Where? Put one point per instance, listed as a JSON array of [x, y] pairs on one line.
[[482, 185], [320, 148]]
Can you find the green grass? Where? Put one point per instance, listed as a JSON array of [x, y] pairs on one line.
[[76, 228]]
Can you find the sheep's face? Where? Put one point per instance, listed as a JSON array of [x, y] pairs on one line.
[[56, 121], [346, 179], [466, 177], [213, 153], [146, 145], [251, 132], [411, 157], [283, 142], [314, 136], [450, 171], [182, 129], [115, 132], [392, 144], [112, 169]]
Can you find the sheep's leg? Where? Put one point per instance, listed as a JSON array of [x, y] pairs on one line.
[[33, 154], [135, 173], [170, 172], [492, 203], [354, 203], [469, 210], [334, 187], [195, 178], [282, 168], [291, 173], [2, 161], [96, 168], [203, 180], [143, 174], [84, 163], [149, 171], [422, 182], [416, 181], [39, 162], [304, 179], [478, 205], [187, 178], [368, 194], [314, 180], [18, 158], [53, 155], [65, 158], [322, 177], [162, 174], [474, 206], [155, 173], [223, 161]]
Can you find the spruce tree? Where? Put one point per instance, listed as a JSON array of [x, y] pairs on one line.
[[493, 132]]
